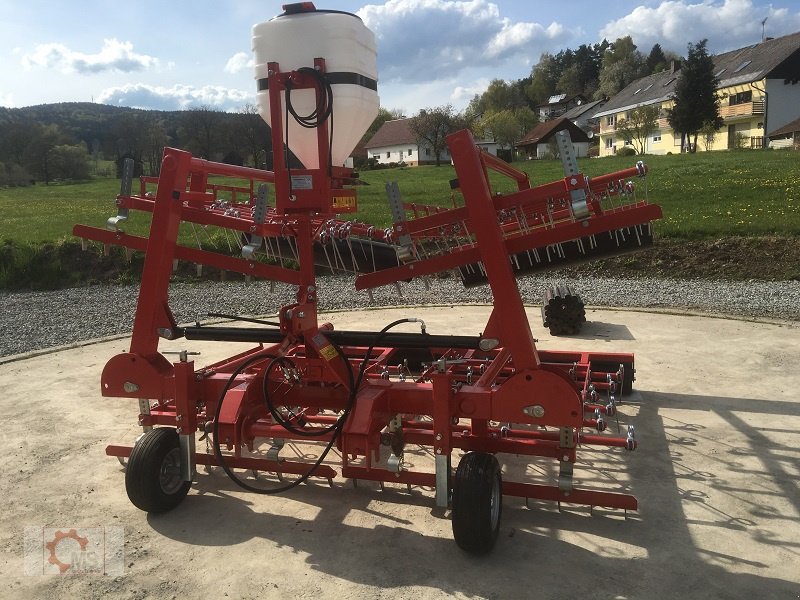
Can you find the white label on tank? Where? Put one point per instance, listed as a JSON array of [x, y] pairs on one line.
[[302, 182]]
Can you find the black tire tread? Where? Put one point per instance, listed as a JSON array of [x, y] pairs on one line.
[[142, 473], [471, 502]]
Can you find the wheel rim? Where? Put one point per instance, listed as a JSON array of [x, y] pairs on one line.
[[494, 504], [170, 475]]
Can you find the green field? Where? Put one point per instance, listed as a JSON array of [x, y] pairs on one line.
[[706, 195]]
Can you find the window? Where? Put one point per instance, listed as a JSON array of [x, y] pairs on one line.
[[400, 153], [611, 120], [409, 151], [648, 87], [720, 72], [609, 143], [427, 151], [676, 139], [388, 155], [740, 98], [628, 142], [637, 91], [657, 137], [670, 81], [742, 66]]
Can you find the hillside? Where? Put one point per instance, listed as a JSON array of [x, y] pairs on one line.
[[53, 142]]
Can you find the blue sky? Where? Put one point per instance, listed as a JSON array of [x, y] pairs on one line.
[[173, 55]]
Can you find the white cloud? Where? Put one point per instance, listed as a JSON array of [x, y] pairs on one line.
[[113, 56], [177, 97], [461, 94], [238, 62], [6, 100], [728, 24], [421, 40]]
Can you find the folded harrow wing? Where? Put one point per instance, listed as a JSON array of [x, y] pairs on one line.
[[371, 398]]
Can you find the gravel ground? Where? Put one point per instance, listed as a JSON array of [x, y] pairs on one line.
[[37, 320]]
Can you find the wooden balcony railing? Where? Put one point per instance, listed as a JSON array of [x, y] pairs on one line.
[[745, 109]]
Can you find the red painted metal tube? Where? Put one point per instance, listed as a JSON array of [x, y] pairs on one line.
[[242, 462], [576, 496], [406, 477]]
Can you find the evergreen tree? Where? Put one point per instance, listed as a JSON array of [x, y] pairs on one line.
[[696, 102], [656, 60]]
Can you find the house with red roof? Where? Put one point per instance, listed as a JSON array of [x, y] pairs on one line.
[[537, 142]]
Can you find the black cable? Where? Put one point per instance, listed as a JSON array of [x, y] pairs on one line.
[[336, 428], [324, 103], [323, 110]]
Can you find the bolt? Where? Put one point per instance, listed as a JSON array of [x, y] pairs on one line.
[[566, 458], [438, 451], [573, 181], [178, 418], [438, 437]]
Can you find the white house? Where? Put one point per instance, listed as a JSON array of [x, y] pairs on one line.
[[394, 142]]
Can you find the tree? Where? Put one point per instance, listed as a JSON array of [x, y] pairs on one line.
[[642, 122], [507, 127], [696, 101], [570, 82], [709, 132], [431, 125], [128, 132], [201, 130], [69, 162], [384, 114], [622, 64], [544, 77], [38, 154], [250, 136], [154, 140], [656, 60]]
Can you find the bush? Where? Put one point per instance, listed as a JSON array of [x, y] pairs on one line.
[[373, 165], [626, 151], [13, 175]]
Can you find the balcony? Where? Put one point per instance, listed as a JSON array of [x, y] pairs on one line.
[[746, 109]]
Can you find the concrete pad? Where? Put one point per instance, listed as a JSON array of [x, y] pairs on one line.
[[716, 415]]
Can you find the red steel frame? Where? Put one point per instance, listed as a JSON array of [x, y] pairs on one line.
[[460, 401]]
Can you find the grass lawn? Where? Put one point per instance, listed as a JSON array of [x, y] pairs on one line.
[[705, 195]]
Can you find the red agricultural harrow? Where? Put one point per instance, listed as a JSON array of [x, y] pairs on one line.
[[369, 396]]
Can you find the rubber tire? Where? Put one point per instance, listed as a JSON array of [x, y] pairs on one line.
[[476, 477], [143, 474]]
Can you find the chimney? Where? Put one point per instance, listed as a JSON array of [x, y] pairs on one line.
[[674, 66]]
